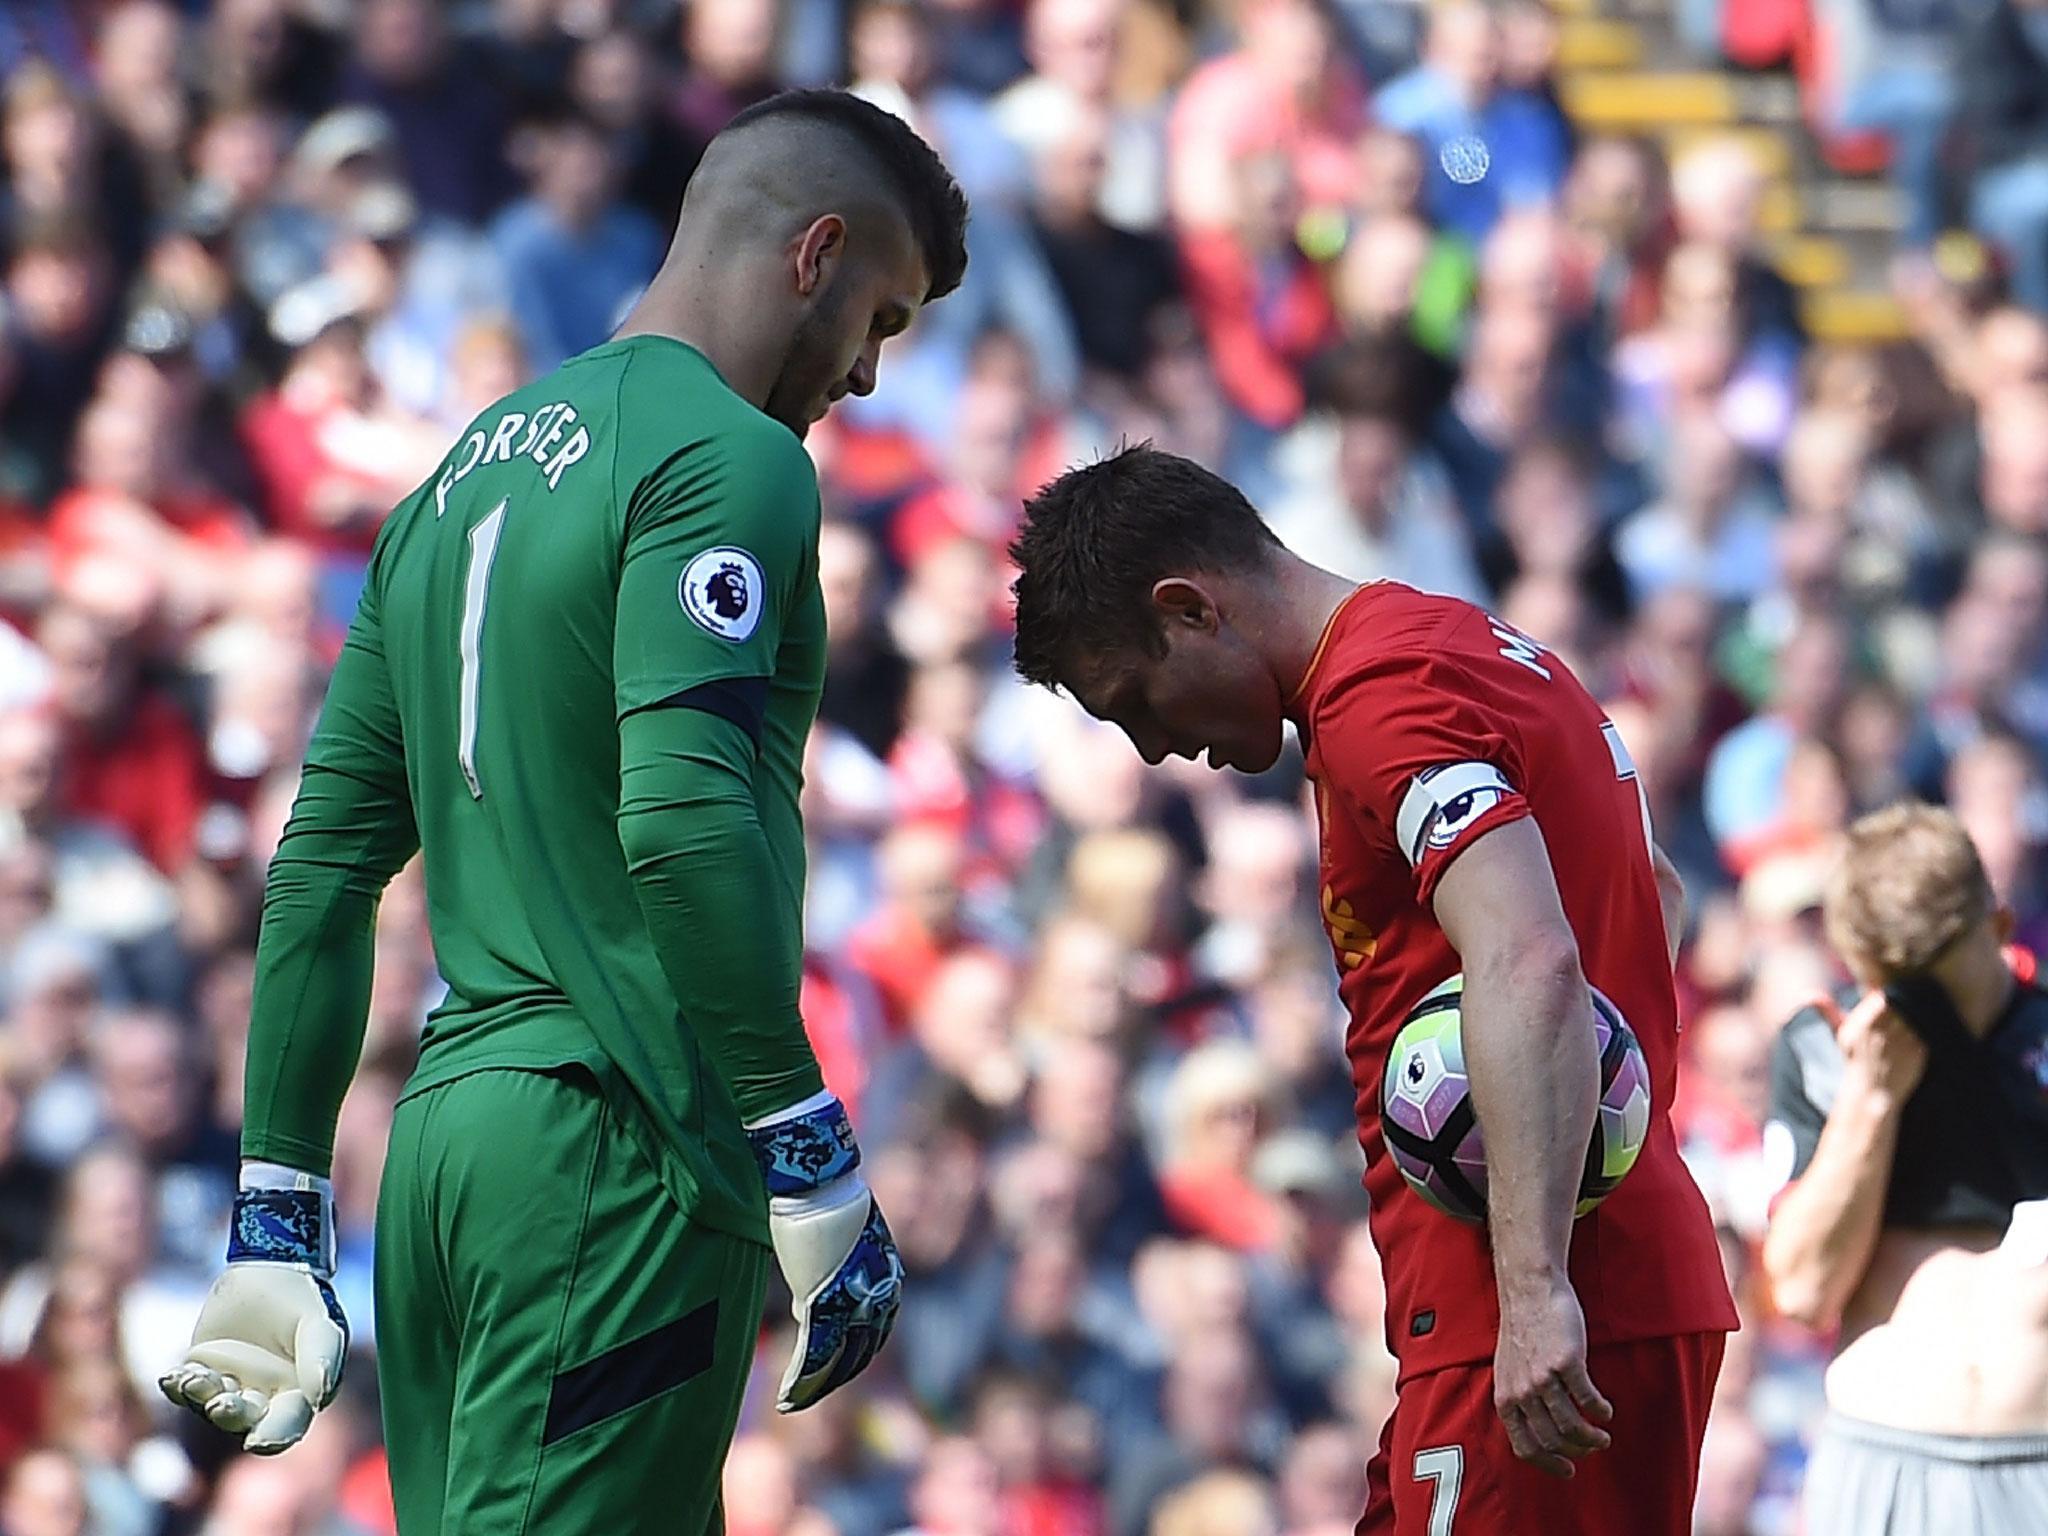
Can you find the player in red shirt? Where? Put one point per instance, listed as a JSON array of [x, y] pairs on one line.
[[1478, 813]]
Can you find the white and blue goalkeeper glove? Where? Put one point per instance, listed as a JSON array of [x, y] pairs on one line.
[[270, 1342], [845, 1279]]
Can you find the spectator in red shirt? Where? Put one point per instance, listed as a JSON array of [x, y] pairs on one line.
[[330, 456], [1219, 1102], [1287, 86], [130, 755], [1262, 304], [916, 925], [138, 501]]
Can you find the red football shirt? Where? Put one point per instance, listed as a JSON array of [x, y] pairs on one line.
[[1429, 723]]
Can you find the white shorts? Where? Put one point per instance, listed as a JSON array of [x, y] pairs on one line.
[[1867, 1480]]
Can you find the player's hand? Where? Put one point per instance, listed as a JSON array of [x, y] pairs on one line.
[[1547, 1402], [268, 1349], [845, 1279], [1882, 1057]]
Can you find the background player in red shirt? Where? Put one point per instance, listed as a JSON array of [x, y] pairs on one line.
[[1478, 813]]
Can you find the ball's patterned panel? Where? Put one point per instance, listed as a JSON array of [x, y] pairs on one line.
[[1433, 1135]]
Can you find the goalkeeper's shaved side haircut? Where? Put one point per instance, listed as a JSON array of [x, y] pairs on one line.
[[797, 144], [1095, 541]]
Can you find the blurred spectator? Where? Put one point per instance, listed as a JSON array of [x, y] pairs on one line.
[[1368, 503], [1492, 144], [575, 257], [331, 454], [1715, 533], [46, 1496], [1697, 359], [264, 259], [1112, 279], [1499, 406], [1749, 777], [616, 80], [1262, 304], [1073, 48], [129, 756], [450, 123], [730, 46], [60, 291], [1218, 1102], [2005, 62], [1287, 89], [1717, 191]]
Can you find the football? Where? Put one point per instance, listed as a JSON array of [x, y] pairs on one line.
[[1432, 1129]]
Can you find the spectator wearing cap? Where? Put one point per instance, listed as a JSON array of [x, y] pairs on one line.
[[1366, 501], [416, 283], [574, 256], [1490, 146], [53, 999], [190, 271], [332, 456], [285, 222], [451, 124]]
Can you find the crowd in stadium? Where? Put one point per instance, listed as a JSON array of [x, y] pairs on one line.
[[264, 259]]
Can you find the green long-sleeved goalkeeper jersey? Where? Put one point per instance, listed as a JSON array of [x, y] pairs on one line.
[[610, 881]]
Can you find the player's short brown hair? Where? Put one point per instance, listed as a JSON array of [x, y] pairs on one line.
[[1908, 886]]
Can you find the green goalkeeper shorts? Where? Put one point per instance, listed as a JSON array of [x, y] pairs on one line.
[[558, 1350]]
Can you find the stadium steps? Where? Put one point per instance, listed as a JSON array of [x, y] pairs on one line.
[[1622, 69]]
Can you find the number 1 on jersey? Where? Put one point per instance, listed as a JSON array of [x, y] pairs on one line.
[[483, 548]]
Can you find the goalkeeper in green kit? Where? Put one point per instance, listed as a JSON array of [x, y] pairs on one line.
[[587, 655]]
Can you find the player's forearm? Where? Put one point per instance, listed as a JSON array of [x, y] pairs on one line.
[[720, 913], [1535, 1075], [313, 963], [1825, 1227], [1671, 899]]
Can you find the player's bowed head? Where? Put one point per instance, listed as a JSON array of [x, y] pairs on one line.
[[1156, 595], [814, 229]]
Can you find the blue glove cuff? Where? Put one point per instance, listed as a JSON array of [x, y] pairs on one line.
[[282, 1226], [806, 1151]]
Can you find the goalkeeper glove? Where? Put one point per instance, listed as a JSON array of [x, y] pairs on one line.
[[845, 1280], [268, 1349]]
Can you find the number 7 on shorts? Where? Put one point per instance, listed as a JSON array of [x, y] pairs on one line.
[[1442, 1466]]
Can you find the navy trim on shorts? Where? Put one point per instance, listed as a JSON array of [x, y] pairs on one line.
[[632, 1373]]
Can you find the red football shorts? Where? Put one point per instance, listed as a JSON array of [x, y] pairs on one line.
[[1445, 1467]]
